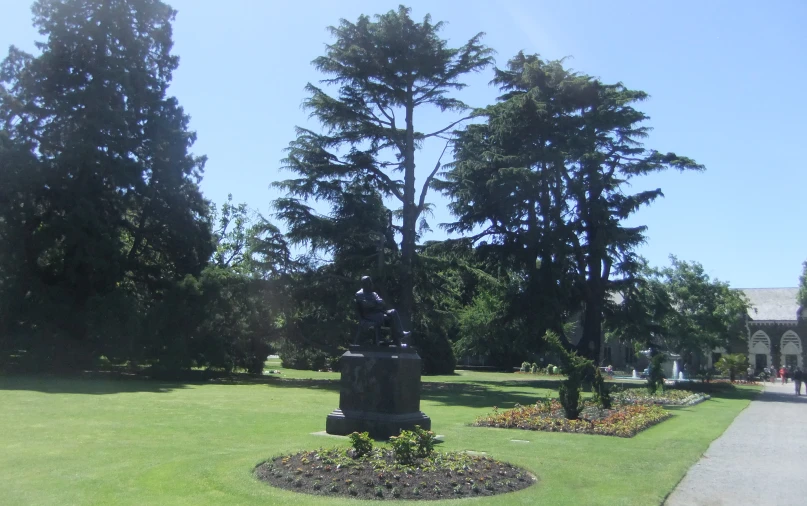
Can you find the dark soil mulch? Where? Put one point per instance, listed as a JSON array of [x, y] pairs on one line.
[[443, 476]]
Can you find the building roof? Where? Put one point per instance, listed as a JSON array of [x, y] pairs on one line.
[[772, 303]]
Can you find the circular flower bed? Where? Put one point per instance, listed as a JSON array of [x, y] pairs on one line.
[[379, 475]]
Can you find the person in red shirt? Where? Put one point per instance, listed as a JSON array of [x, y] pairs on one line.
[[783, 374]]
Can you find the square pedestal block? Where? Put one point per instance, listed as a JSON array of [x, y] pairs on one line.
[[379, 392]]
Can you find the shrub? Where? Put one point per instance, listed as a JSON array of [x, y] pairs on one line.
[[569, 397], [305, 358], [412, 444], [361, 443], [534, 368], [404, 447], [555, 370], [732, 365], [334, 363], [602, 396], [425, 442], [576, 369], [655, 378], [525, 367]]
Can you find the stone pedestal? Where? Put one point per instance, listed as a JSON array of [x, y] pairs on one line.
[[380, 392]]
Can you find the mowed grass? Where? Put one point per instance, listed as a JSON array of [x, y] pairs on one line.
[[122, 441]]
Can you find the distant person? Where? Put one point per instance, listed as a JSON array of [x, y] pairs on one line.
[[798, 378], [783, 374]]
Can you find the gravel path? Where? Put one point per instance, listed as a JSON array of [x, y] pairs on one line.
[[760, 460]]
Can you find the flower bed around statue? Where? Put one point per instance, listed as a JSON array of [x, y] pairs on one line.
[[665, 398], [623, 420], [377, 475]]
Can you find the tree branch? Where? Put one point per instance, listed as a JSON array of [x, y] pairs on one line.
[[387, 181], [429, 180], [449, 127]]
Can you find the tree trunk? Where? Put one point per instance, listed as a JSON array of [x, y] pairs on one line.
[[410, 214], [589, 345]]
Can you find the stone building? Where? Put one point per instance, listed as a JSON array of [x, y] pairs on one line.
[[776, 327]]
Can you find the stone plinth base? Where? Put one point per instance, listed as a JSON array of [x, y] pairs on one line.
[[380, 392], [379, 425]]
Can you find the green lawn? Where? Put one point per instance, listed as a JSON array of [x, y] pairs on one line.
[[109, 441]]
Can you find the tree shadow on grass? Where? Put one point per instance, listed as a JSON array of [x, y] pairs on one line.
[[87, 383], [476, 396], [318, 384], [451, 394], [547, 384]]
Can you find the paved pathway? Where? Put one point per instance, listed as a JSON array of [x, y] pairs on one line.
[[760, 460]]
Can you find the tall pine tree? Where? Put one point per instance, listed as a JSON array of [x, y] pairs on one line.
[[110, 188], [546, 178], [387, 70]]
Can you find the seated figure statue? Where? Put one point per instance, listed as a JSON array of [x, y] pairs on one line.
[[373, 313]]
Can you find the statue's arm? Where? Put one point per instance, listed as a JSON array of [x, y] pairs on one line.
[[379, 302]]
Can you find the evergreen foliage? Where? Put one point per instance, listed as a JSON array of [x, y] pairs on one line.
[[385, 70], [546, 178], [105, 237], [679, 308], [655, 376], [577, 369], [109, 249]]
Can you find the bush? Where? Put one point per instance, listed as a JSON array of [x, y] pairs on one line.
[[334, 363], [655, 378], [425, 442], [534, 368], [214, 321], [436, 352], [576, 369], [303, 358], [404, 447], [525, 367], [732, 365], [602, 396], [361, 443], [569, 397], [412, 444]]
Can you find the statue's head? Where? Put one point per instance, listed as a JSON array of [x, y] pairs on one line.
[[367, 283]]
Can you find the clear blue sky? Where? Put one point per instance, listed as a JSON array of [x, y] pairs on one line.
[[727, 81]]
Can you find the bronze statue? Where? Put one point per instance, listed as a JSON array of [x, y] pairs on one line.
[[374, 315]]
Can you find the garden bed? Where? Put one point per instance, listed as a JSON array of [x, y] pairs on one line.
[[666, 398], [623, 420], [336, 472]]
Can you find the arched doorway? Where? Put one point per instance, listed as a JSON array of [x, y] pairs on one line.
[[791, 349], [759, 350]]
